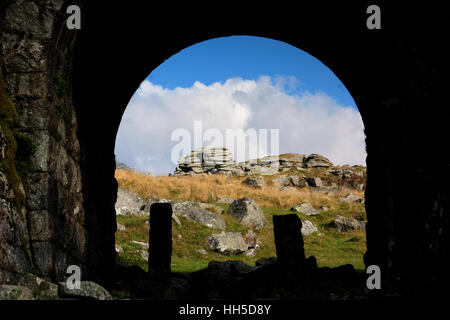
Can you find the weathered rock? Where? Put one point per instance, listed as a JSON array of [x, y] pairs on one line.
[[120, 227], [15, 293], [88, 290], [351, 198], [144, 254], [284, 180], [42, 290], [255, 182], [224, 200], [129, 204], [306, 208], [118, 248], [316, 161], [227, 243], [343, 224], [248, 213], [251, 239], [314, 182], [308, 228], [142, 244], [204, 217]]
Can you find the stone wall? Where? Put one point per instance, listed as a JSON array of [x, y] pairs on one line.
[[46, 233], [395, 76]]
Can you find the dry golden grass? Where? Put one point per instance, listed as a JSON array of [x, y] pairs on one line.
[[205, 188]]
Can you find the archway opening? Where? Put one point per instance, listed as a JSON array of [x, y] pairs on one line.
[[292, 111]]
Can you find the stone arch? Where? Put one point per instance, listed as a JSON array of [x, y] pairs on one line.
[[391, 74]]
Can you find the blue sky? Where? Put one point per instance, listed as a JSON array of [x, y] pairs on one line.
[[248, 57], [246, 83]]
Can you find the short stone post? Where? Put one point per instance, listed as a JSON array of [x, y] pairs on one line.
[[289, 240], [160, 238]]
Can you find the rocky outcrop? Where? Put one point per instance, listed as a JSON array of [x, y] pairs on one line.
[[227, 243], [129, 203], [351, 198], [204, 217], [41, 289], [8, 292], [343, 224], [206, 160], [88, 291], [220, 161], [248, 213], [306, 208], [284, 181], [308, 228], [255, 182]]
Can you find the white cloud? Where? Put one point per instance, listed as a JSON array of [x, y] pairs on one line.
[[308, 123]]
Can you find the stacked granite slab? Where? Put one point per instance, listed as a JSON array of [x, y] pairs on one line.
[[220, 161], [206, 160]]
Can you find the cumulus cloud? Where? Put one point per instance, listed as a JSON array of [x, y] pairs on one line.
[[307, 122]]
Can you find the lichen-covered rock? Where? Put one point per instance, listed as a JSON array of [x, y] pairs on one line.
[[316, 161], [15, 293], [255, 182], [88, 290], [343, 224], [306, 208], [248, 213], [129, 203], [204, 217], [314, 182], [351, 198], [227, 243], [42, 290], [308, 228]]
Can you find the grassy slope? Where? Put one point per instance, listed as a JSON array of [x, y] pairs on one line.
[[332, 249]]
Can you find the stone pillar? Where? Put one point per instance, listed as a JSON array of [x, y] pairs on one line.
[[160, 239], [288, 239]]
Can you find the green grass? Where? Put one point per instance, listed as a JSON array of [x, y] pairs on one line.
[[331, 249]]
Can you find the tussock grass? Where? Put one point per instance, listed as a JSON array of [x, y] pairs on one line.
[[331, 249], [206, 188]]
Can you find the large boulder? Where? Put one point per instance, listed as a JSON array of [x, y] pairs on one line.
[[343, 224], [306, 208], [284, 180], [204, 217], [129, 204], [308, 227], [88, 290], [316, 161], [255, 182], [227, 243], [42, 290], [314, 182], [15, 293], [248, 213]]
